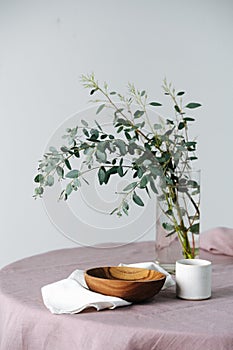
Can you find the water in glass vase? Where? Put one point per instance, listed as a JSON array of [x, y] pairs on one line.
[[178, 220]]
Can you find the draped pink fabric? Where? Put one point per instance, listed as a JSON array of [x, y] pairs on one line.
[[218, 241], [164, 322]]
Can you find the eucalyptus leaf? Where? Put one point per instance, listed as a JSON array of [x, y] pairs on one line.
[[98, 126], [143, 93], [195, 228], [121, 145], [50, 180], [137, 200], [53, 149], [153, 187], [177, 108], [39, 178], [181, 125], [86, 133], [73, 174], [189, 119], [138, 114], [101, 175], [99, 109], [101, 156], [120, 171], [157, 126], [155, 104], [193, 105], [143, 182], [84, 122], [69, 189], [67, 163], [130, 186], [39, 190], [167, 226], [60, 171]]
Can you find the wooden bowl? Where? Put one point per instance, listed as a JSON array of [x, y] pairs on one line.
[[129, 283]]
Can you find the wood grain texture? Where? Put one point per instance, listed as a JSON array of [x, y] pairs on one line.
[[129, 283]]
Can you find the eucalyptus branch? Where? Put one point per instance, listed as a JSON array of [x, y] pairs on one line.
[[152, 151]]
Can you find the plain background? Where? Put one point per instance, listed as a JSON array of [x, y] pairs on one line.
[[44, 48]]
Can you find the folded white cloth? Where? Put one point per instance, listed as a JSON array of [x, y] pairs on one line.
[[71, 295]]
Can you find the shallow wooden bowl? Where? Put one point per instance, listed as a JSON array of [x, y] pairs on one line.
[[129, 283]]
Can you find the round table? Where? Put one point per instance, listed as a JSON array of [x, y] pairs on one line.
[[164, 322]]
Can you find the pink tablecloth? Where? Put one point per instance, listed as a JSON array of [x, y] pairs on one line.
[[162, 323]]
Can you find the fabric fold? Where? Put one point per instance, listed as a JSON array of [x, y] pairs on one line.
[[217, 241]]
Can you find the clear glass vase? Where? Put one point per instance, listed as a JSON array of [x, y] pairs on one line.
[[178, 220]]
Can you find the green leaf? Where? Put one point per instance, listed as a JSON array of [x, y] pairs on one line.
[[169, 212], [98, 126], [113, 211], [177, 108], [137, 200], [69, 189], [120, 171], [39, 190], [157, 126], [119, 129], [152, 185], [143, 93], [192, 158], [189, 119], [139, 172], [192, 183], [73, 174], [195, 228], [113, 93], [101, 156], [86, 133], [76, 152], [99, 109], [138, 114], [180, 93], [60, 171], [170, 233], [64, 149], [94, 134], [130, 186], [190, 143], [76, 182], [50, 180], [143, 182], [53, 149], [167, 226], [155, 104], [155, 170], [101, 175], [67, 163], [193, 105], [84, 123], [127, 135], [39, 178], [121, 145], [93, 91], [181, 125]]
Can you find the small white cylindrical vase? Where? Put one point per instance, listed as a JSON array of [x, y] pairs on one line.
[[193, 279]]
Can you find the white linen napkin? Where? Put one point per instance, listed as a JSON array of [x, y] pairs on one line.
[[71, 295]]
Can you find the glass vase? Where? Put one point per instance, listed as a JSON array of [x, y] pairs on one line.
[[178, 220]]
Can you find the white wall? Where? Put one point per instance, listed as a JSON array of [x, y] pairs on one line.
[[46, 45]]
